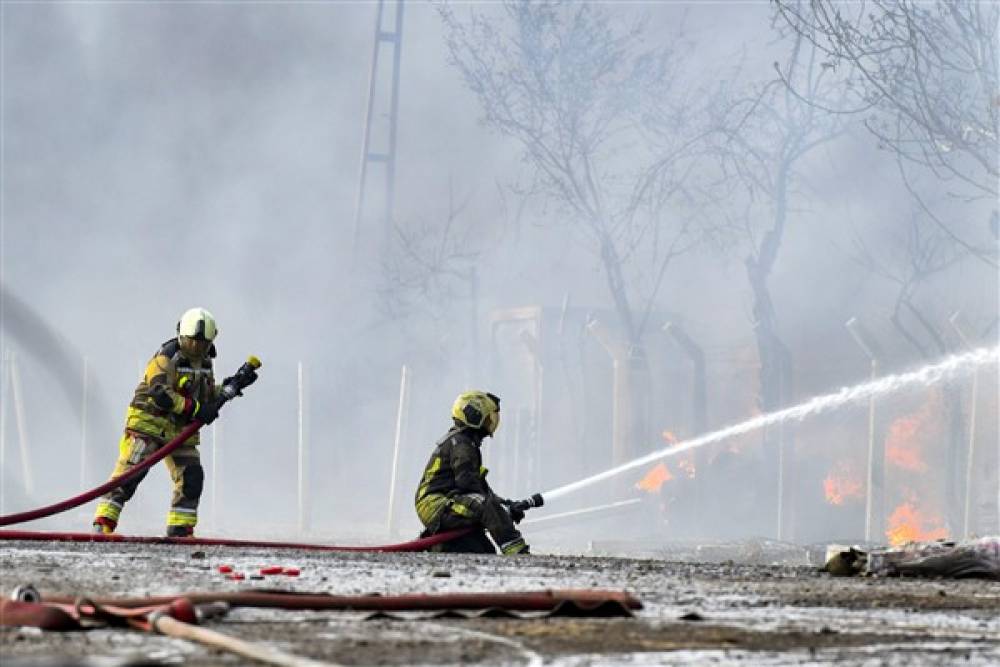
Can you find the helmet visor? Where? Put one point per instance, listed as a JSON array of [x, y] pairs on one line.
[[492, 422]]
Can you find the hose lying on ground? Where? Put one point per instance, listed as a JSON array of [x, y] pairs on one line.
[[179, 616], [421, 544]]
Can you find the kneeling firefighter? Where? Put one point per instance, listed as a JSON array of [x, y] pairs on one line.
[[453, 491], [177, 388]]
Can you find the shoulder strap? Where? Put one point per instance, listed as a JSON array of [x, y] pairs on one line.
[[169, 348]]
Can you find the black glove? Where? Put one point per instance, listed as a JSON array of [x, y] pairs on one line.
[[241, 380], [516, 513], [207, 412]]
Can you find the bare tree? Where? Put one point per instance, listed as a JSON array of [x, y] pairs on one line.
[[914, 256], [430, 276], [926, 76], [609, 135], [771, 132], [430, 262]]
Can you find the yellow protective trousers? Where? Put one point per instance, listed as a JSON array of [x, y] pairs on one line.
[[184, 464]]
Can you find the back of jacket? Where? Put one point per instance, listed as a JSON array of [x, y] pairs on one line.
[[455, 466]]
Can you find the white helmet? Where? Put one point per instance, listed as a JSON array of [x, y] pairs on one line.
[[199, 324]]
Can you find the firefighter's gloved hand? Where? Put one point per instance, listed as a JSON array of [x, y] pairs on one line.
[[516, 513], [241, 380], [207, 412]]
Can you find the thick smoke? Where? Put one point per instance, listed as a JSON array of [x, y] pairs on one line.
[[158, 156]]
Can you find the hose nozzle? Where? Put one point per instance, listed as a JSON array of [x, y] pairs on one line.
[[535, 500], [245, 376]]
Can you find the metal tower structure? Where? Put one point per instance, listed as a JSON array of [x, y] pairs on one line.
[[390, 40]]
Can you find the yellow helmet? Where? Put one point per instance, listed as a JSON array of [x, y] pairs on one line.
[[477, 409]]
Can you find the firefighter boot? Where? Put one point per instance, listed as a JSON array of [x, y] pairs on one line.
[[515, 547], [180, 531], [103, 526]]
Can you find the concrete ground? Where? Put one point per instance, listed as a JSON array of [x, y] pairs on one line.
[[695, 613]]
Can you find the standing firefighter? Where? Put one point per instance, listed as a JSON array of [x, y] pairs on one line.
[[453, 491], [178, 387]]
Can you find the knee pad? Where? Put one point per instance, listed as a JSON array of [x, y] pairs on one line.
[[194, 481]]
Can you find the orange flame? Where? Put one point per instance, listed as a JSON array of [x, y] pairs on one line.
[[906, 443], [842, 484], [908, 524], [908, 435], [655, 478], [902, 444]]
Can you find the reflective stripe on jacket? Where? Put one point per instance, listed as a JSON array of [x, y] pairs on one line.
[[187, 384], [454, 467]]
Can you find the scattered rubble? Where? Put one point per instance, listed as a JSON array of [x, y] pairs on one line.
[[978, 558], [749, 614]]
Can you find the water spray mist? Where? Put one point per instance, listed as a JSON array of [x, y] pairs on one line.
[[926, 376]]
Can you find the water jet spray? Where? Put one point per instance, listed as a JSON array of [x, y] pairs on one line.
[[926, 376]]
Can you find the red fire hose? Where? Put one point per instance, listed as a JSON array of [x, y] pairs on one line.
[[113, 483], [229, 392], [160, 454], [37, 536]]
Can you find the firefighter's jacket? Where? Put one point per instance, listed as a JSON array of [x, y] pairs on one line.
[[455, 468], [171, 378]]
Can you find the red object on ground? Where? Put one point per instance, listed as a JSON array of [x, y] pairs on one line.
[[225, 569], [113, 483], [238, 576], [66, 612], [291, 571], [183, 610], [274, 569], [16, 613], [68, 616], [421, 544]]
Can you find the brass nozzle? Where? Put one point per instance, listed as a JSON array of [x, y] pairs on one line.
[[254, 362]]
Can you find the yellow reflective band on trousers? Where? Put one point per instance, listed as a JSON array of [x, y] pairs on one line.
[[513, 547], [182, 518], [108, 510]]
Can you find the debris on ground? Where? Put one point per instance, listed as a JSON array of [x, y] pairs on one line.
[[979, 558], [692, 613]]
